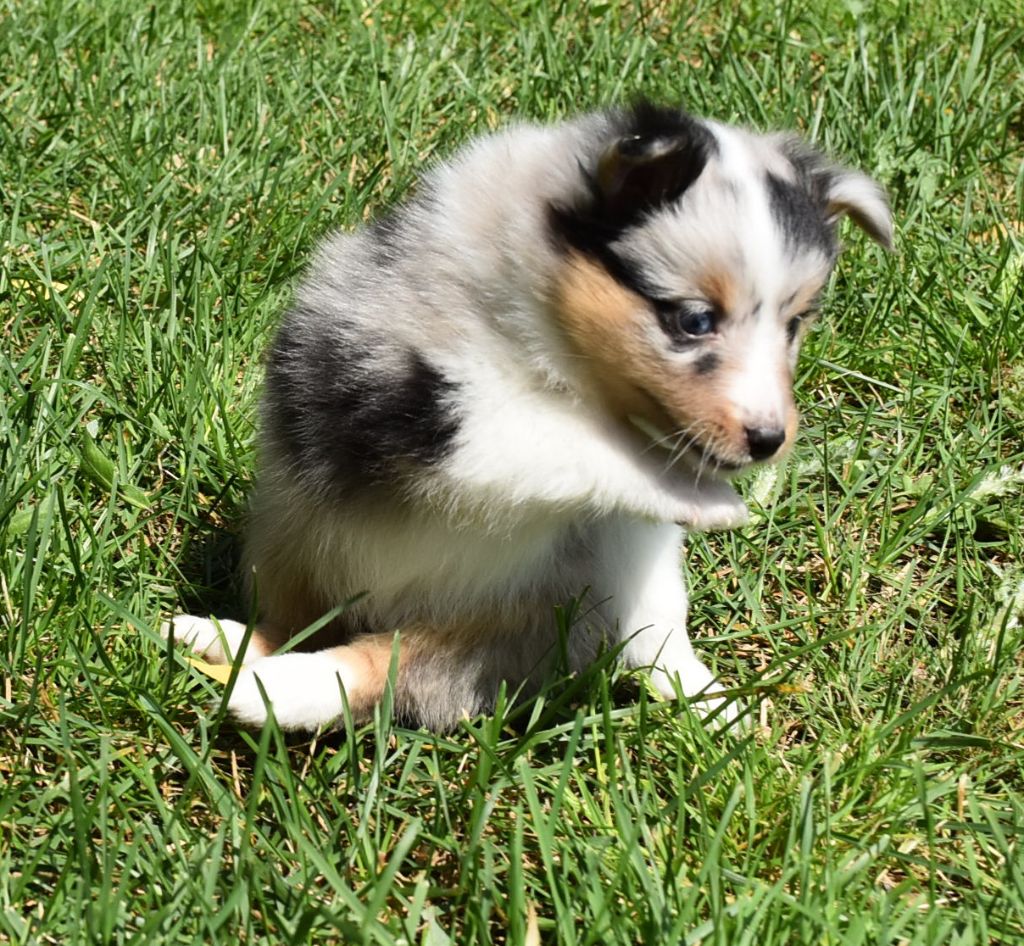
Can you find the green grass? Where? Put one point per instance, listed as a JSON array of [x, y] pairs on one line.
[[164, 173]]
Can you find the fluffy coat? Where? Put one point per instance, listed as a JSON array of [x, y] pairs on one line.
[[521, 387]]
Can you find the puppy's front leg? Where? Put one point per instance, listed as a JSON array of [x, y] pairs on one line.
[[539, 451], [641, 575]]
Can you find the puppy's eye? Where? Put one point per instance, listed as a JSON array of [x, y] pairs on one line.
[[691, 323], [684, 322], [794, 325], [695, 322]]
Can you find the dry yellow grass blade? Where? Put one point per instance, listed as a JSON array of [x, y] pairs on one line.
[[532, 929], [219, 672]]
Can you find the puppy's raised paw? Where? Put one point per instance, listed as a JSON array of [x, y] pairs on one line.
[[718, 506]]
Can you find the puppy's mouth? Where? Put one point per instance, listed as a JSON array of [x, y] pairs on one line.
[[705, 461], [697, 456]]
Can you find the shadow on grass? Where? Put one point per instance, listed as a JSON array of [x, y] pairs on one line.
[[210, 564]]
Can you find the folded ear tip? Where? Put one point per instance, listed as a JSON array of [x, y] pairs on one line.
[[865, 202], [883, 231], [879, 227]]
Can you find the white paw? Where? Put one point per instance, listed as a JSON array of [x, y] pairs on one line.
[[217, 641], [716, 506], [719, 712], [698, 685], [305, 690]]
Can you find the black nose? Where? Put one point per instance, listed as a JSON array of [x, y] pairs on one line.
[[764, 442]]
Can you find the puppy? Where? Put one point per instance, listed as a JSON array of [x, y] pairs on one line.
[[525, 385]]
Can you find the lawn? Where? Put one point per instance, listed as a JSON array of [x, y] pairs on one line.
[[165, 171]]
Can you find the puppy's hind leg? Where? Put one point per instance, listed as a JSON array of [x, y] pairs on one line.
[[442, 676], [308, 690], [217, 641]]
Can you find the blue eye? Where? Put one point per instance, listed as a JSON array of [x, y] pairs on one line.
[[685, 321], [696, 322], [794, 324]]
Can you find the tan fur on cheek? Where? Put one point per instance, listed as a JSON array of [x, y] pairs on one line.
[[792, 426], [700, 403], [610, 326], [607, 324]]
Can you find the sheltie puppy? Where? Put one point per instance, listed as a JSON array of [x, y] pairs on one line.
[[523, 386]]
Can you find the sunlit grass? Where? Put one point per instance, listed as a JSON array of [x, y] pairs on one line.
[[164, 173]]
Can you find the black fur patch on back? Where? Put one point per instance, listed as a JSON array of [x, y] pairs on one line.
[[345, 420]]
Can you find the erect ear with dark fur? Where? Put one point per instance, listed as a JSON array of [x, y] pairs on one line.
[[656, 155], [639, 172], [857, 196]]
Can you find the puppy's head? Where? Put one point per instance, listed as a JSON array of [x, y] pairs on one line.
[[689, 271]]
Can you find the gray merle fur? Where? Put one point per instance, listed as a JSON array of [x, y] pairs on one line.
[[802, 217]]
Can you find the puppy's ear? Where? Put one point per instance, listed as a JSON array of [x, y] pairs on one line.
[[655, 155], [841, 191], [639, 172], [850, 193]]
